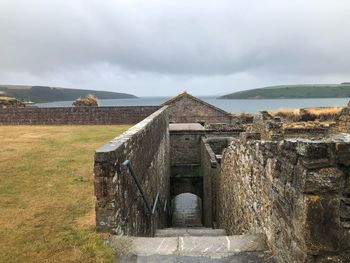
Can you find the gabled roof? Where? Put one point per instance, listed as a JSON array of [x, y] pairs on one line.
[[189, 96]]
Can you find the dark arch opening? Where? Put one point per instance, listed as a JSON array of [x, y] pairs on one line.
[[186, 210], [186, 184]]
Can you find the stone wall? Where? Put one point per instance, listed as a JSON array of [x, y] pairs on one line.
[[297, 192], [209, 170], [343, 121], [190, 110], [75, 115], [119, 206], [218, 144], [270, 128], [314, 133], [185, 147], [185, 161]]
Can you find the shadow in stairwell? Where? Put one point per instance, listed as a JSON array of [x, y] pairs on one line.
[[187, 210]]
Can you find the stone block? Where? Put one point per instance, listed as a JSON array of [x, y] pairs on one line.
[[312, 163], [342, 153], [322, 229], [299, 215], [345, 239], [322, 181], [345, 208], [347, 186], [312, 149], [286, 171], [330, 259]]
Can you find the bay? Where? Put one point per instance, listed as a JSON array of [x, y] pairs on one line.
[[234, 106]]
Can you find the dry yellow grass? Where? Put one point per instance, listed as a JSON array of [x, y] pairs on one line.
[[46, 193], [285, 112], [323, 113], [324, 110]]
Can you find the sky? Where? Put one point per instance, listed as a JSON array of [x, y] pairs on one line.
[[163, 47]]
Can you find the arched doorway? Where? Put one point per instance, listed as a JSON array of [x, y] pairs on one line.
[[186, 210]]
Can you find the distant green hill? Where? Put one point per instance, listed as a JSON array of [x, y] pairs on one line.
[[49, 94], [294, 92]]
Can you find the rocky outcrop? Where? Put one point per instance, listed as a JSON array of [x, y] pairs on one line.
[[9, 102], [88, 101]]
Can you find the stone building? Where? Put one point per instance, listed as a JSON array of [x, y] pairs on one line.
[[185, 108], [267, 195]]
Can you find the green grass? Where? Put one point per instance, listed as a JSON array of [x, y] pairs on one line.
[[46, 193], [294, 92]]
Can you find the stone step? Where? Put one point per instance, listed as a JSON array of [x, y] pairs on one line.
[[176, 232], [239, 248], [244, 257]]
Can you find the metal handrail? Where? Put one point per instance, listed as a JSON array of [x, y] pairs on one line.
[[127, 165]]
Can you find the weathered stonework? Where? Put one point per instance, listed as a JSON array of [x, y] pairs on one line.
[[185, 159], [185, 108], [75, 115], [343, 121], [270, 128], [194, 165], [209, 169], [185, 147], [315, 133], [119, 206], [294, 191]]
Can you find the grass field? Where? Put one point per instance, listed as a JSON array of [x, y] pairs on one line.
[[46, 193]]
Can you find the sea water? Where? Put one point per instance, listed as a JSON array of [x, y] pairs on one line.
[[234, 106]]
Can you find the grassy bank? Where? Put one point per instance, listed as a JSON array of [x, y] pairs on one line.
[[305, 91], [46, 193]]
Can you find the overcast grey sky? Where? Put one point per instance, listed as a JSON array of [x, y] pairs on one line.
[[161, 47]]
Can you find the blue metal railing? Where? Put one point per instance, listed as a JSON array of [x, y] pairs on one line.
[[157, 200]]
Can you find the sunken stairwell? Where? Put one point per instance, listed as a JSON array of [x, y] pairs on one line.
[[292, 193]]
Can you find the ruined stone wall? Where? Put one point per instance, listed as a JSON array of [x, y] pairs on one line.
[[75, 115], [218, 144], [267, 126], [209, 171], [315, 133], [119, 206], [188, 110], [295, 192], [343, 121]]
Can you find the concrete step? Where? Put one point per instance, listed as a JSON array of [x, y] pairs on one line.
[[177, 232], [239, 248], [245, 257]]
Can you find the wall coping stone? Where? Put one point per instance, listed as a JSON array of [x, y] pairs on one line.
[[117, 142]]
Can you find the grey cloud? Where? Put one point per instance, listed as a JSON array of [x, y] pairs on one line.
[[194, 39]]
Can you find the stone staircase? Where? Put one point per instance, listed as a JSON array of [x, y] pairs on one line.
[[194, 245]]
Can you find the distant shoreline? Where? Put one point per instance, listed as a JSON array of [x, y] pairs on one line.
[[301, 91], [229, 105], [44, 94], [284, 98]]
